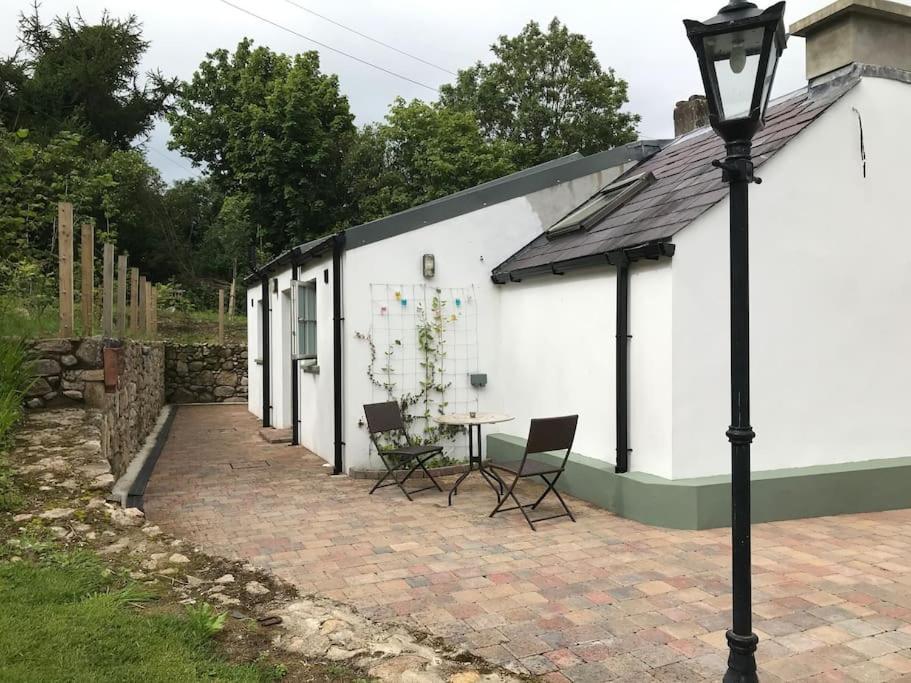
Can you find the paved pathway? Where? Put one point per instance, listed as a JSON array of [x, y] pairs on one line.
[[603, 599]]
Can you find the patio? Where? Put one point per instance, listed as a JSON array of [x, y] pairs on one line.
[[603, 599]]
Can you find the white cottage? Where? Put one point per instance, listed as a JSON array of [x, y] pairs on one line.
[[599, 286], [332, 302]]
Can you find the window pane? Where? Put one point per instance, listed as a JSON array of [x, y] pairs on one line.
[[310, 338], [306, 321]]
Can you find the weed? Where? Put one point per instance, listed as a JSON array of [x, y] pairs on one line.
[[205, 619]]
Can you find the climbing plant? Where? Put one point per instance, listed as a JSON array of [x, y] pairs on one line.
[[429, 397]]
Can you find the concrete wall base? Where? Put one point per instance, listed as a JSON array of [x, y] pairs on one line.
[[704, 502]]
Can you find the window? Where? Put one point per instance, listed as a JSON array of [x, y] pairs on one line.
[[608, 199], [303, 331]]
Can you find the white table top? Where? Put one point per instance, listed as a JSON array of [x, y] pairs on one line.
[[466, 419]]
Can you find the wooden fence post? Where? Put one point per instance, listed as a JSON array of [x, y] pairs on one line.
[[87, 291], [65, 260], [154, 325], [122, 295], [143, 321], [147, 305], [221, 316], [134, 300], [107, 291]]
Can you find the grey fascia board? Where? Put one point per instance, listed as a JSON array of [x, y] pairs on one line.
[[297, 254], [648, 250], [497, 191]]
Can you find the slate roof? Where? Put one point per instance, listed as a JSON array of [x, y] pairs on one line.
[[687, 186]]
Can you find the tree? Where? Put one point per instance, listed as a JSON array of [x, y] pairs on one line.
[[547, 94], [79, 77], [274, 129], [422, 152]]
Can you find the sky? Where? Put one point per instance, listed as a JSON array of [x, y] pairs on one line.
[[643, 41]]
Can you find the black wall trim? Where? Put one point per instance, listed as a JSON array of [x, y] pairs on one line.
[[136, 494], [338, 246], [295, 397], [622, 375], [267, 353]]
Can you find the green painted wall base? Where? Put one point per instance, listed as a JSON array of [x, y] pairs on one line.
[[704, 502]]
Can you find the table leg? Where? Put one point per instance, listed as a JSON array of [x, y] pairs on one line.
[[476, 457]]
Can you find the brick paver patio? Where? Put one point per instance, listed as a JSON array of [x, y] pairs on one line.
[[603, 599]]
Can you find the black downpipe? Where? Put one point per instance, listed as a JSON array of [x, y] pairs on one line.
[[338, 246], [267, 351], [295, 399], [622, 378]]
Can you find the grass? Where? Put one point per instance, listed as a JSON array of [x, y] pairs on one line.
[[64, 617], [199, 327], [19, 318]]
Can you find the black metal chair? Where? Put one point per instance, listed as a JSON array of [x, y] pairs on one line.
[[545, 435], [383, 418]]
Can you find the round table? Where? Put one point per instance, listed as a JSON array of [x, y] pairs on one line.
[[474, 421]]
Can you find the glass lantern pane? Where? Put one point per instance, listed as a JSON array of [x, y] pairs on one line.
[[735, 60], [767, 81]]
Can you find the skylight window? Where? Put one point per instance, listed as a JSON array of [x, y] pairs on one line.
[[609, 199]]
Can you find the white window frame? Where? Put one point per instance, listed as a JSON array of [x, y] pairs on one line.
[[303, 291]]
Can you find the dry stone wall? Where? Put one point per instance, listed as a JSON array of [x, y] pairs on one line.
[[70, 373], [206, 373]]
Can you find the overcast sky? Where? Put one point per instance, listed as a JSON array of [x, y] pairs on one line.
[[643, 41]]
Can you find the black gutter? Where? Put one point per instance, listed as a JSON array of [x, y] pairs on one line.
[[267, 352], [338, 246], [651, 251], [622, 350], [295, 399]]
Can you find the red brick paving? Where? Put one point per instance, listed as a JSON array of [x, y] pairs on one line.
[[603, 599]]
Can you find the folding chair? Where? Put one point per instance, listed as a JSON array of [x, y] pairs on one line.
[[545, 434], [383, 418]]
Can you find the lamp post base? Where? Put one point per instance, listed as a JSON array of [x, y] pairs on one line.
[[742, 659]]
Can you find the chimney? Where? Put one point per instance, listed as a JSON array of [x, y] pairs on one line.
[[690, 114], [874, 32]]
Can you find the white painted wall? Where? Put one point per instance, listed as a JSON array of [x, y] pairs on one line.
[[558, 357], [830, 283], [466, 247], [650, 372]]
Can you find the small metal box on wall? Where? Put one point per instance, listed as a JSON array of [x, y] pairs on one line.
[[478, 379]]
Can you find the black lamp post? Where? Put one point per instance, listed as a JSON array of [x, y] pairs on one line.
[[738, 51]]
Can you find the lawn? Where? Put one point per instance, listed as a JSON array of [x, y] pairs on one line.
[[65, 618]]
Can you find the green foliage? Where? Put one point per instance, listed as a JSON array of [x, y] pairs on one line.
[[205, 619], [422, 152], [15, 379], [272, 128], [74, 76], [64, 617], [546, 93]]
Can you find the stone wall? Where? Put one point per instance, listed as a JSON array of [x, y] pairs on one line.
[[71, 374], [206, 373]]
